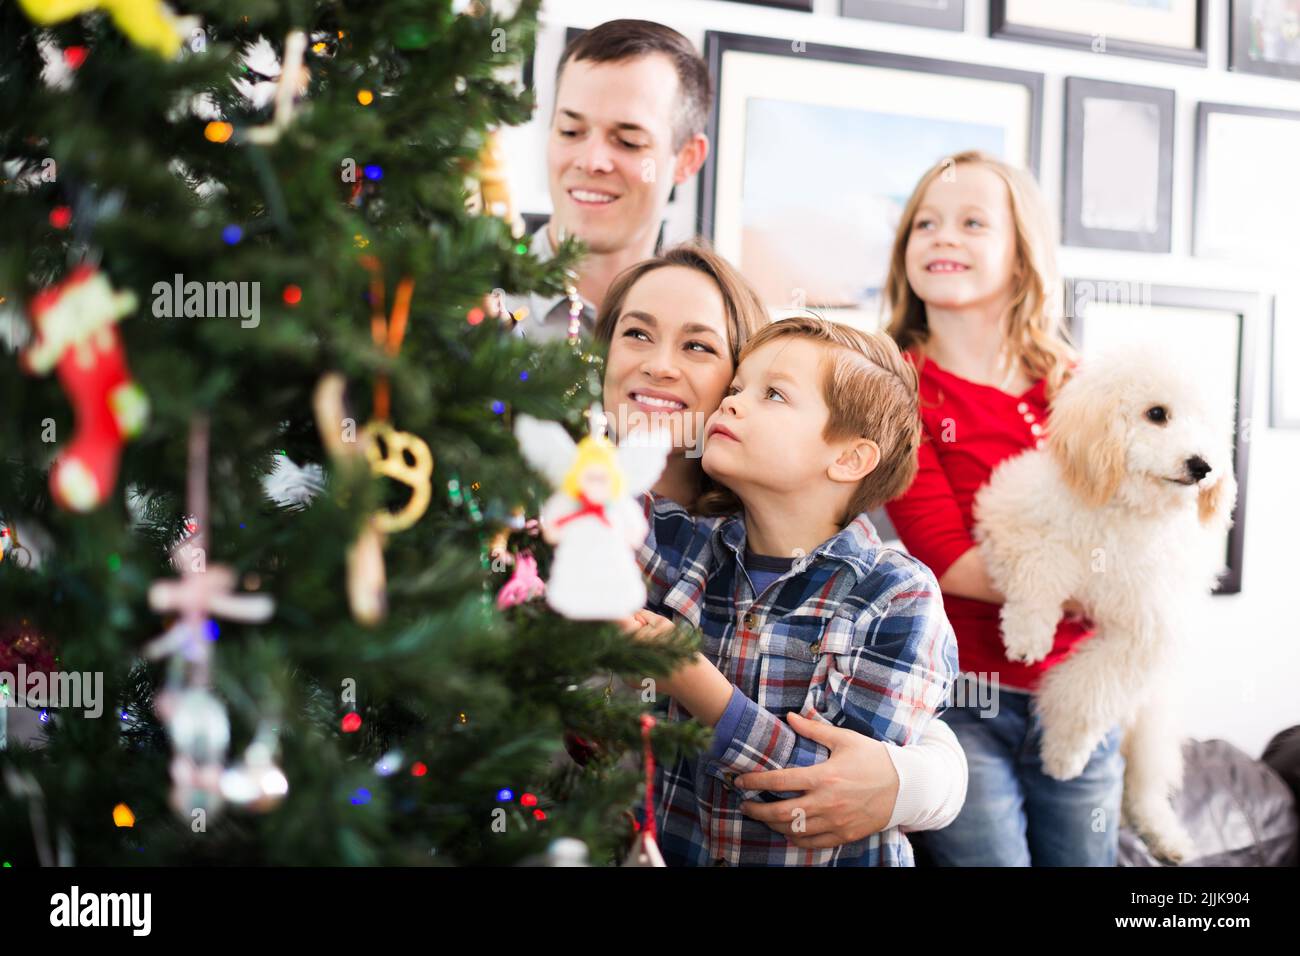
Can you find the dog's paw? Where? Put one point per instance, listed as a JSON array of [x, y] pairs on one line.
[[1171, 844], [1031, 654], [1067, 743], [1026, 634], [1064, 762], [1153, 818]]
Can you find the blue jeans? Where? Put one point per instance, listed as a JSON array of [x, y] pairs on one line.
[[1016, 815]]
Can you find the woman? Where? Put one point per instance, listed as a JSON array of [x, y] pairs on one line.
[[674, 325]]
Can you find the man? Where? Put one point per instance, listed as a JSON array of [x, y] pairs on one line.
[[632, 98]]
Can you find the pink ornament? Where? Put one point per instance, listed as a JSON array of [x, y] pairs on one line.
[[524, 584]]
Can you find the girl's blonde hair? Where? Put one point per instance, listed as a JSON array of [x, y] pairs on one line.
[[1034, 333]]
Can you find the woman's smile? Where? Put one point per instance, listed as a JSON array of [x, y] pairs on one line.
[[656, 401]]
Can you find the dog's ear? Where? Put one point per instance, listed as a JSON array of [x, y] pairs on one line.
[[1086, 436], [1214, 502]]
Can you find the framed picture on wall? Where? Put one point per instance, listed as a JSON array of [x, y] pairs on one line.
[[1119, 166], [1207, 333], [1284, 397], [1247, 190], [939, 14], [570, 34], [1155, 29], [816, 150], [1264, 37], [803, 5]]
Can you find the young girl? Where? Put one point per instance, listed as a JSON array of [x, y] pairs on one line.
[[674, 326], [971, 280]]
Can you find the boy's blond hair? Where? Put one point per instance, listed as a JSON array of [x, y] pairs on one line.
[[871, 392]]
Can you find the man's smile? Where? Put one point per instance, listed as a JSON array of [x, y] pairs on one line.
[[591, 197]]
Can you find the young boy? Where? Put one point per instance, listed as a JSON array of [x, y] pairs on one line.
[[801, 608]]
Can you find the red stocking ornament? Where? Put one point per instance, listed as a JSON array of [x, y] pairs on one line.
[[74, 330]]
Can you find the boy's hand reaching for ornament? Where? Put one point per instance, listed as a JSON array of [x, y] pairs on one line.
[[698, 685], [646, 626]]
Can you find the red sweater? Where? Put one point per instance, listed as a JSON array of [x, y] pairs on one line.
[[968, 429]]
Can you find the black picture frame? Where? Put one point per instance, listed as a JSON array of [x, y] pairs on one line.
[[1202, 241], [1001, 29], [1026, 127], [1248, 308], [529, 79], [1239, 46], [1075, 231], [801, 6], [1279, 416], [717, 45], [951, 17]]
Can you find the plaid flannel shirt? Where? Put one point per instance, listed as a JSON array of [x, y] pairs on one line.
[[853, 635]]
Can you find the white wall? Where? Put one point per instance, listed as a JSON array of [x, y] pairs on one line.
[[1244, 661]]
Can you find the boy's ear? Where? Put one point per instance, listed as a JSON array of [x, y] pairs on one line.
[[856, 460]]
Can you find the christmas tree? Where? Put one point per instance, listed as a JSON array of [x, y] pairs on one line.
[[259, 469]]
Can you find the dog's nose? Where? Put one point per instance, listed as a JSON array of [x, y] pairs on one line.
[[1197, 467]]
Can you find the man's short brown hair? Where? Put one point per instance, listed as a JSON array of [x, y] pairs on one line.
[[617, 40], [871, 391]]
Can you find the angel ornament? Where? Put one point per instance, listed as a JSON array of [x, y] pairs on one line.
[[593, 519]]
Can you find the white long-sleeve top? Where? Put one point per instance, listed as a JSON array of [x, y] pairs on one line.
[[932, 778]]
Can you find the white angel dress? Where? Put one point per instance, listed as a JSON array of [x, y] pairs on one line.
[[594, 574]]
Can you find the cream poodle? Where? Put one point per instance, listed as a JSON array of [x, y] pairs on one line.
[[1124, 511]]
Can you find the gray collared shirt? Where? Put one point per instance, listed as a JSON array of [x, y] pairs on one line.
[[548, 317]]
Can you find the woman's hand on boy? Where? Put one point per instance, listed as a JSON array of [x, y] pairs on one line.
[[846, 797]]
